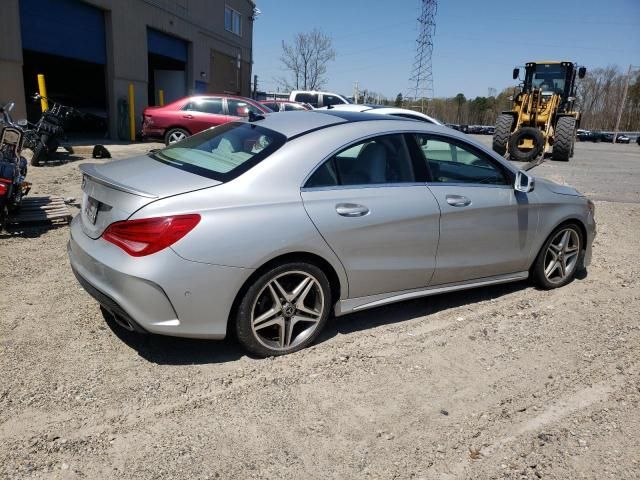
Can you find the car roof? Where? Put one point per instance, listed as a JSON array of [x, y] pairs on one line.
[[381, 109], [296, 123]]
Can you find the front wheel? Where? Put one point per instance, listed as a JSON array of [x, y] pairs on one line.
[[559, 258], [284, 310]]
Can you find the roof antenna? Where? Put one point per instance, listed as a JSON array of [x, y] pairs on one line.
[[254, 117]]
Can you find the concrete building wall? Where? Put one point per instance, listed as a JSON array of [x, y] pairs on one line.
[[199, 22], [11, 82]]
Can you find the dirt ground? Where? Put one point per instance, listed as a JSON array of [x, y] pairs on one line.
[[506, 382]]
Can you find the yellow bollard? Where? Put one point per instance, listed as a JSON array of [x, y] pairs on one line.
[[132, 113], [161, 97], [42, 87]]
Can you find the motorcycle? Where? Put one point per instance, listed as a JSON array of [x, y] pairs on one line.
[[13, 166], [46, 135]]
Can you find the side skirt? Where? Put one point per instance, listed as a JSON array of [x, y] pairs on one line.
[[362, 303]]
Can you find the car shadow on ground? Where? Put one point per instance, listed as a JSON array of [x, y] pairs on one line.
[[29, 231], [182, 351]]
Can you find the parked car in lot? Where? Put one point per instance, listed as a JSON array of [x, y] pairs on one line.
[[317, 99], [265, 228], [385, 110], [285, 105], [621, 138], [190, 115], [589, 136]]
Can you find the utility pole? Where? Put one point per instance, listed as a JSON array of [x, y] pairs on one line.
[[255, 86], [624, 99]]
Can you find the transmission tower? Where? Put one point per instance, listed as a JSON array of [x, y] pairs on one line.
[[421, 80]]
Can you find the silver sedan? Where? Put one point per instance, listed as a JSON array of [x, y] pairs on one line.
[[265, 228]]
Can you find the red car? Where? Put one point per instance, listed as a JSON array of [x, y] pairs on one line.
[[285, 105], [190, 115]]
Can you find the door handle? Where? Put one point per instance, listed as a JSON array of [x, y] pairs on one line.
[[187, 116], [458, 201], [351, 210]]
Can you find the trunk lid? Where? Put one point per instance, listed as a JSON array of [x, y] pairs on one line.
[[114, 191]]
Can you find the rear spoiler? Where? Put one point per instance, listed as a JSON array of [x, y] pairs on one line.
[[90, 170]]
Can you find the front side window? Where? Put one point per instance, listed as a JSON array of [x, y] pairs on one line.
[[331, 100], [378, 160], [451, 163], [224, 152], [240, 108], [232, 21]]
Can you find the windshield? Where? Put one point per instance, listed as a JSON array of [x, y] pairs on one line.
[[222, 153], [549, 78]]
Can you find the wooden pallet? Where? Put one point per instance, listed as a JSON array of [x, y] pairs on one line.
[[41, 210]]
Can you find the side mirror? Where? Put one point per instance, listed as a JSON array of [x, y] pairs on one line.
[[524, 183], [582, 71], [516, 73]]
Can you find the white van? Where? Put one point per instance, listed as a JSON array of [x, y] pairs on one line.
[[317, 99]]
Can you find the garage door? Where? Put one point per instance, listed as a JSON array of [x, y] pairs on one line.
[[68, 28]]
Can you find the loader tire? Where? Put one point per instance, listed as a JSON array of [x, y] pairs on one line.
[[536, 137], [564, 138], [501, 135]]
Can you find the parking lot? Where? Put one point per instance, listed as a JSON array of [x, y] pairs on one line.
[[501, 382]]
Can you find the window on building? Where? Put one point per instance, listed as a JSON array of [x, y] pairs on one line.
[[232, 21]]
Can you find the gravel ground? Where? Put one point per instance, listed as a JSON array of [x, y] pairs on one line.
[[505, 382]]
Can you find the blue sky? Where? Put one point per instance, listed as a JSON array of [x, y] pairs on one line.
[[476, 43]]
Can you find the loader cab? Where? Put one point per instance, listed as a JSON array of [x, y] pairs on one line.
[[553, 78]]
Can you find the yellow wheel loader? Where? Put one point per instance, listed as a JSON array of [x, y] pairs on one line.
[[542, 119]]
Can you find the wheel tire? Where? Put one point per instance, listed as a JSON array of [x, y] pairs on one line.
[[535, 134], [175, 135], [538, 269], [258, 343], [564, 139], [504, 124], [39, 155]]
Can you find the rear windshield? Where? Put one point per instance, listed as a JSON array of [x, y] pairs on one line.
[[222, 153]]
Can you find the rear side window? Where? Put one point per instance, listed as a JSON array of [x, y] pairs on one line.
[[272, 105], [379, 160], [206, 105], [224, 152], [292, 106], [310, 98]]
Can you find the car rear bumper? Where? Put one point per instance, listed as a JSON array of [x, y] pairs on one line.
[[161, 293]]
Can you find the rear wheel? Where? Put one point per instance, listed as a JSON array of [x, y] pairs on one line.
[[559, 257], [526, 144], [175, 135], [39, 154], [504, 124], [564, 139], [284, 310]]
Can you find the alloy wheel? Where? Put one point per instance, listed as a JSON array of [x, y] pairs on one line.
[[561, 257], [176, 137], [287, 310]]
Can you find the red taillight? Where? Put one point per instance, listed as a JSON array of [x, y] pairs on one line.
[[3, 188], [149, 235]]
